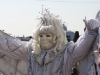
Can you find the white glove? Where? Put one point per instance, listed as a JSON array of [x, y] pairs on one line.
[[92, 24]]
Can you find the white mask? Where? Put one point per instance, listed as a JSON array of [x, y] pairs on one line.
[[46, 41]]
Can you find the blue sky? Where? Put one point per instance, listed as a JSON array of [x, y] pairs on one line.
[[17, 17]]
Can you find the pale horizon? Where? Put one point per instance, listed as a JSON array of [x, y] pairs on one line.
[[17, 17]]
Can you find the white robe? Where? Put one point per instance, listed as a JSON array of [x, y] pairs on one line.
[[62, 63]]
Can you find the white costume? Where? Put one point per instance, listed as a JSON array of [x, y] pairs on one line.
[[58, 56]]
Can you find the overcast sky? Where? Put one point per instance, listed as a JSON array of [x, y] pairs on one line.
[[17, 17]]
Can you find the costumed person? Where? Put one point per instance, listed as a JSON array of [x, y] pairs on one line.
[[49, 52], [76, 36], [74, 69]]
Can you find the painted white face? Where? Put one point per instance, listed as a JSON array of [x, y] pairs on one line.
[[46, 41]]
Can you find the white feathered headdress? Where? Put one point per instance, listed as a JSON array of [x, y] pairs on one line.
[[49, 23]]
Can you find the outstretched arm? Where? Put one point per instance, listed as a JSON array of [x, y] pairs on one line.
[[13, 47], [85, 42]]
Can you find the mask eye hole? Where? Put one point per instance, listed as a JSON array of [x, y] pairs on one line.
[[41, 35], [47, 35]]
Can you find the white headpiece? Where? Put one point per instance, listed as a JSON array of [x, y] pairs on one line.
[[50, 23]]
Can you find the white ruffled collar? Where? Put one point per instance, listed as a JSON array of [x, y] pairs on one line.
[[46, 56]]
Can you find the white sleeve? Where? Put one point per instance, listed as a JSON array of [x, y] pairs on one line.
[[83, 45], [76, 51], [13, 47], [85, 42]]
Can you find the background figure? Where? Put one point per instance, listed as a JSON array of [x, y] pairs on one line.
[[84, 29], [74, 70], [68, 38], [76, 36]]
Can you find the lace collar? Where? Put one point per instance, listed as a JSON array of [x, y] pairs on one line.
[[47, 56]]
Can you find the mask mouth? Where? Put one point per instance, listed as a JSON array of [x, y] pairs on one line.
[[49, 49]]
